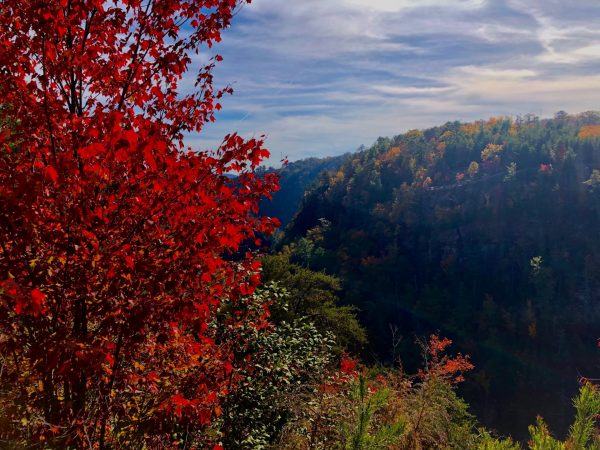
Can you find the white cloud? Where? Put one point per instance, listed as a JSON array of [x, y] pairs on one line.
[[410, 90], [493, 73], [398, 5], [321, 77], [573, 56], [567, 90], [562, 27]]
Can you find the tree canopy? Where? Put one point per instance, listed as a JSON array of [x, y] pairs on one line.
[[115, 238]]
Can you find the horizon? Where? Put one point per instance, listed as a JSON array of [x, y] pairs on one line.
[[325, 77], [270, 165]]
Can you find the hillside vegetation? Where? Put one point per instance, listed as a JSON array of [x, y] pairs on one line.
[[486, 232], [294, 179]]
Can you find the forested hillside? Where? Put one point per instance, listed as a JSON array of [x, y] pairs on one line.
[[294, 179], [487, 232]]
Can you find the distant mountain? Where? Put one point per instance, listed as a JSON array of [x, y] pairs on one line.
[[488, 232], [295, 179]]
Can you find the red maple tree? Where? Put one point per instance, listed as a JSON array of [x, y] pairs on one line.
[[442, 366], [114, 236]]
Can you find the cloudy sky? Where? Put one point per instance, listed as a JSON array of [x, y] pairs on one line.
[[321, 77]]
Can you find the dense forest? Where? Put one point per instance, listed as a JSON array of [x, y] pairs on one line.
[[486, 232]]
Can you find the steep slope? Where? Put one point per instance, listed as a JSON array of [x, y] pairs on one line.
[[488, 232], [295, 179]]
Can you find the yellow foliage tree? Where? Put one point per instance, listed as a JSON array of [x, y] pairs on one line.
[[473, 168], [491, 152]]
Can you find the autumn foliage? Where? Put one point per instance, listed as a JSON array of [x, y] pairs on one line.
[[440, 365], [116, 240], [357, 407], [589, 132]]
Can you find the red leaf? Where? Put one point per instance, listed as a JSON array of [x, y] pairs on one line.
[[38, 302], [51, 173], [347, 366], [149, 157], [129, 261], [179, 400], [91, 151]]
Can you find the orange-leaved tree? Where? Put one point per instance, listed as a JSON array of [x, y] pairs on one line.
[[114, 236]]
